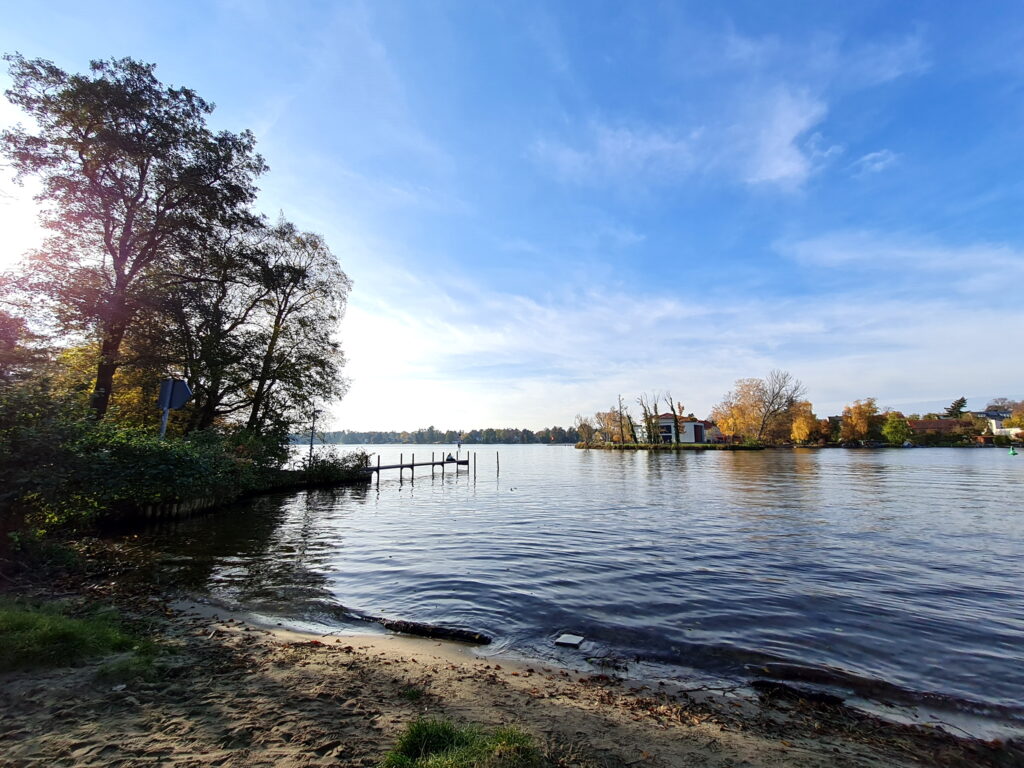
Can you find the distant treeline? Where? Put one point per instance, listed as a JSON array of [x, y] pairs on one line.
[[473, 436]]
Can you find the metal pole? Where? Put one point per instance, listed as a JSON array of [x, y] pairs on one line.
[[312, 431], [163, 422]]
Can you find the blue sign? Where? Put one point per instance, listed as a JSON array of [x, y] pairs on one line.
[[174, 393]]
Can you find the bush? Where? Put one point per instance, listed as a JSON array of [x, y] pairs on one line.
[[327, 468], [62, 467]]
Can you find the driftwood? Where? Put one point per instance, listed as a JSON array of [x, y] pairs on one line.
[[773, 689], [430, 630]]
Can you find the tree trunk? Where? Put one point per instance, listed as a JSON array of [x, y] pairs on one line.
[[111, 335]]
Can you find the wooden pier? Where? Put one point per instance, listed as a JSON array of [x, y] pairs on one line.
[[444, 462]]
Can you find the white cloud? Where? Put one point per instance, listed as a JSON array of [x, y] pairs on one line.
[[882, 61], [762, 140], [982, 269], [873, 162], [776, 154], [421, 353], [614, 154]]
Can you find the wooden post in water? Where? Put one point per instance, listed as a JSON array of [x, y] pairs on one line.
[[400, 470], [474, 465], [378, 469], [412, 468], [497, 462], [431, 463]]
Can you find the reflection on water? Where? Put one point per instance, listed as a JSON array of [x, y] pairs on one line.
[[862, 568]]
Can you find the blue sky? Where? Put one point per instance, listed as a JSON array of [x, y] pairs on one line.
[[544, 205]]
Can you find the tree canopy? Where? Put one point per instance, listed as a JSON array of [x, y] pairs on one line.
[[131, 177]]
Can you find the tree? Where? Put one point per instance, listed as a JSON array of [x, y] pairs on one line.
[[737, 415], [896, 430], [130, 173], [297, 359], [1003, 404], [858, 420], [956, 408], [585, 428], [754, 407], [803, 423], [1016, 419]]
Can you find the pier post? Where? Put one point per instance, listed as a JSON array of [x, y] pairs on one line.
[[497, 462], [401, 471], [378, 469], [431, 463], [474, 465], [412, 468]]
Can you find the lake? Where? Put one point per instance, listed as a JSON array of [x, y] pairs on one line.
[[890, 575]]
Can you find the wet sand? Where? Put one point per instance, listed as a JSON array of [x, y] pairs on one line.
[[230, 692]]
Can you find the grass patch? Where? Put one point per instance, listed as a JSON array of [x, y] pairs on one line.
[[33, 636], [411, 693], [441, 744]]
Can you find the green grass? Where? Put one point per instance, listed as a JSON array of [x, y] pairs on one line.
[[411, 693], [33, 636], [440, 744]]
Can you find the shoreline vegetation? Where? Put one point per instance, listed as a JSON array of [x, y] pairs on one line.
[[773, 412], [183, 682], [156, 266], [670, 447]]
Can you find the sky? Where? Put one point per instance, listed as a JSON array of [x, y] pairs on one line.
[[544, 205]]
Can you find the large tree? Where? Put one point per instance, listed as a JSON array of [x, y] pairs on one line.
[[755, 407], [130, 173], [956, 409], [296, 359]]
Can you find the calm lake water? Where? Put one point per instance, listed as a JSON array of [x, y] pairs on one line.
[[896, 575]]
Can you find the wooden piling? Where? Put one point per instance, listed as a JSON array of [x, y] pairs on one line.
[[378, 469], [431, 463], [497, 462], [412, 468]]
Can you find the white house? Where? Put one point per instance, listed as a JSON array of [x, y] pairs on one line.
[[689, 431]]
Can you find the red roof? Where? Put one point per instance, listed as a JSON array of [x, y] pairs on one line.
[[934, 425]]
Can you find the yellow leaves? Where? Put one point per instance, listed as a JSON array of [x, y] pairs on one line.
[[804, 423], [858, 419]]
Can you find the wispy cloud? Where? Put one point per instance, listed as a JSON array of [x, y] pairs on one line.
[[504, 357], [982, 269], [762, 141], [777, 153], [618, 153], [873, 162], [881, 61]]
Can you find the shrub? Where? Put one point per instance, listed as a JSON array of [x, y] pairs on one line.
[[62, 467], [328, 468]]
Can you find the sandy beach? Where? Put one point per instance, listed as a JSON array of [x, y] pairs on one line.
[[231, 692]]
